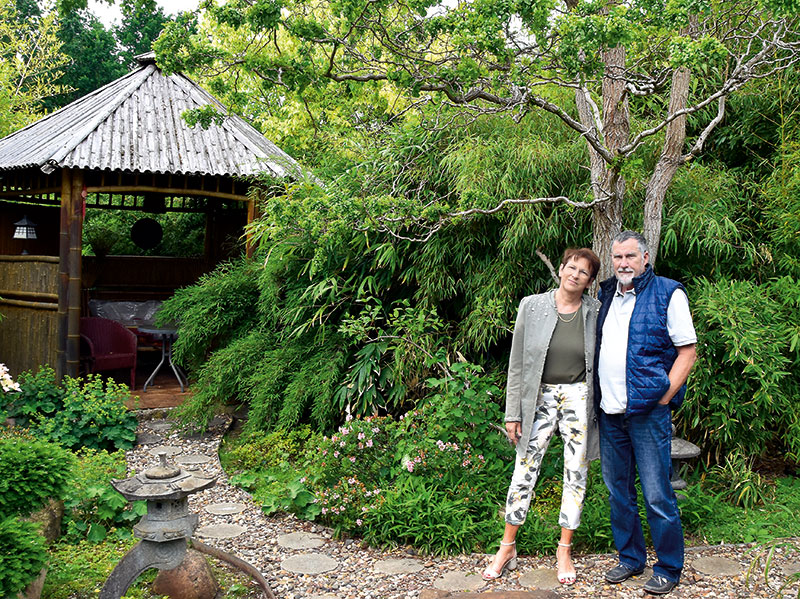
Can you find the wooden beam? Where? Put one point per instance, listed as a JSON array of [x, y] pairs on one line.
[[178, 191]]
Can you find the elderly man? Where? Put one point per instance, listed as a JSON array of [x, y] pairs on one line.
[[645, 350]]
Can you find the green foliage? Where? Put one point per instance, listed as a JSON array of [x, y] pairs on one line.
[[743, 391], [31, 472], [421, 514], [90, 413], [735, 481], [22, 555], [107, 231], [258, 450], [218, 308], [92, 508]]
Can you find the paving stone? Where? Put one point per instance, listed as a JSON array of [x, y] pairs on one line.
[[300, 540], [637, 582], [161, 426], [170, 450], [540, 578], [220, 531], [309, 563], [148, 439], [537, 594], [791, 568], [398, 566], [193, 459], [224, 509], [459, 581], [717, 566]]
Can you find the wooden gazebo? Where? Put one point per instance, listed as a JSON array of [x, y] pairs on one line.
[[124, 146]]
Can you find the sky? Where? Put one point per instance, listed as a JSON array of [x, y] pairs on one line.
[[109, 14]]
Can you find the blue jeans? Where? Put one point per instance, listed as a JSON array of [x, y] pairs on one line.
[[642, 442]]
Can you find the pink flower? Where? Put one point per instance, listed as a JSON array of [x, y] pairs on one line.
[[369, 442], [336, 454], [359, 522], [353, 459], [361, 436], [361, 446], [342, 443], [344, 430], [324, 510]]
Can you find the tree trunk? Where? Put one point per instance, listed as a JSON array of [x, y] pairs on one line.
[[607, 183], [668, 163]]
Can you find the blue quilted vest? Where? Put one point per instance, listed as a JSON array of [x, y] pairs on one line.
[[650, 350]]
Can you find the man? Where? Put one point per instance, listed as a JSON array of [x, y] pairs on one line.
[[645, 350]]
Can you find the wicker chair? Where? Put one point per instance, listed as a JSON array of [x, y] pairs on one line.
[[110, 346]]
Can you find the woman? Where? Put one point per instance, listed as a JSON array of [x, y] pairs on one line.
[[549, 385]]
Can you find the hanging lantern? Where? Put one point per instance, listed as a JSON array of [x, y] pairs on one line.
[[25, 229]]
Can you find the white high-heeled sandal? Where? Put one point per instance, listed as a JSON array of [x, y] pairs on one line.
[[510, 564], [567, 577]]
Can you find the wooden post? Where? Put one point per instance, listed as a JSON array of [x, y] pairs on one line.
[[252, 215], [69, 274]]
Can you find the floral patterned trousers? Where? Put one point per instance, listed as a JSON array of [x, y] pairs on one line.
[[563, 406]]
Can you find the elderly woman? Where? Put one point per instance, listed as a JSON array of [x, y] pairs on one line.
[[549, 386]]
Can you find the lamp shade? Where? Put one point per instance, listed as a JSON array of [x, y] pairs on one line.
[[24, 229]]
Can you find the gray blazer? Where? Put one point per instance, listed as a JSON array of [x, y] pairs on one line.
[[536, 320]]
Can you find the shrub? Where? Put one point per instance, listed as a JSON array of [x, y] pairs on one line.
[[743, 390], [735, 482], [90, 413], [259, 450], [22, 555], [31, 472], [92, 508], [422, 514]]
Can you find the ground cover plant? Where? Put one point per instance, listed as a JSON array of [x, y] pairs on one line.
[[31, 473], [79, 413]]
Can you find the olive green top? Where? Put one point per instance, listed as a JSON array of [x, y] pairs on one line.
[[565, 361]]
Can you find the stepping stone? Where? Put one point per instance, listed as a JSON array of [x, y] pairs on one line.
[[170, 450], [225, 509], [193, 459], [791, 568], [717, 566], [300, 540], [148, 438], [398, 566], [537, 594], [220, 531], [217, 421], [161, 426], [459, 581], [540, 578], [309, 563], [637, 582]]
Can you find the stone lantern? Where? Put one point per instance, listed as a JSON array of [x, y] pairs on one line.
[[166, 527]]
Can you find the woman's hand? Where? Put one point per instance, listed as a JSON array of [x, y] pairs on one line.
[[513, 431]]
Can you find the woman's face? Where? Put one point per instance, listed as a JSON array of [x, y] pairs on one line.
[[574, 275]]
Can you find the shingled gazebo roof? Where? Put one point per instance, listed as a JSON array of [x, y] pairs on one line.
[[134, 125]]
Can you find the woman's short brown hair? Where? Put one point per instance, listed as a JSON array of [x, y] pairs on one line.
[[587, 254]]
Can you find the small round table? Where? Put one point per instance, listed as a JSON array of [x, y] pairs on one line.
[[167, 336]]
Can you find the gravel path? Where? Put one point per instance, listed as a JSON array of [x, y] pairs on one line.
[[366, 573]]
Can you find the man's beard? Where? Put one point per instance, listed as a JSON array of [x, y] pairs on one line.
[[626, 278]]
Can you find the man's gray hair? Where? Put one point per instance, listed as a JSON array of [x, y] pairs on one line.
[[626, 235]]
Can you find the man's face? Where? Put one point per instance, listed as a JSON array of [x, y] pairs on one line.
[[628, 261]]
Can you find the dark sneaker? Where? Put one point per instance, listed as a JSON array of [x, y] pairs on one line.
[[621, 573], [659, 585]]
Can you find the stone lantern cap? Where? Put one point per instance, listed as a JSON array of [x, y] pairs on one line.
[[162, 483]]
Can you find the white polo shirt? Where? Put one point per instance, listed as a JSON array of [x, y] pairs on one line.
[[614, 345]]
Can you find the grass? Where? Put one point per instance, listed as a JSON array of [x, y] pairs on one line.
[[79, 571]]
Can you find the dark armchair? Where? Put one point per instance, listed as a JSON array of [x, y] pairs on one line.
[[109, 346]]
